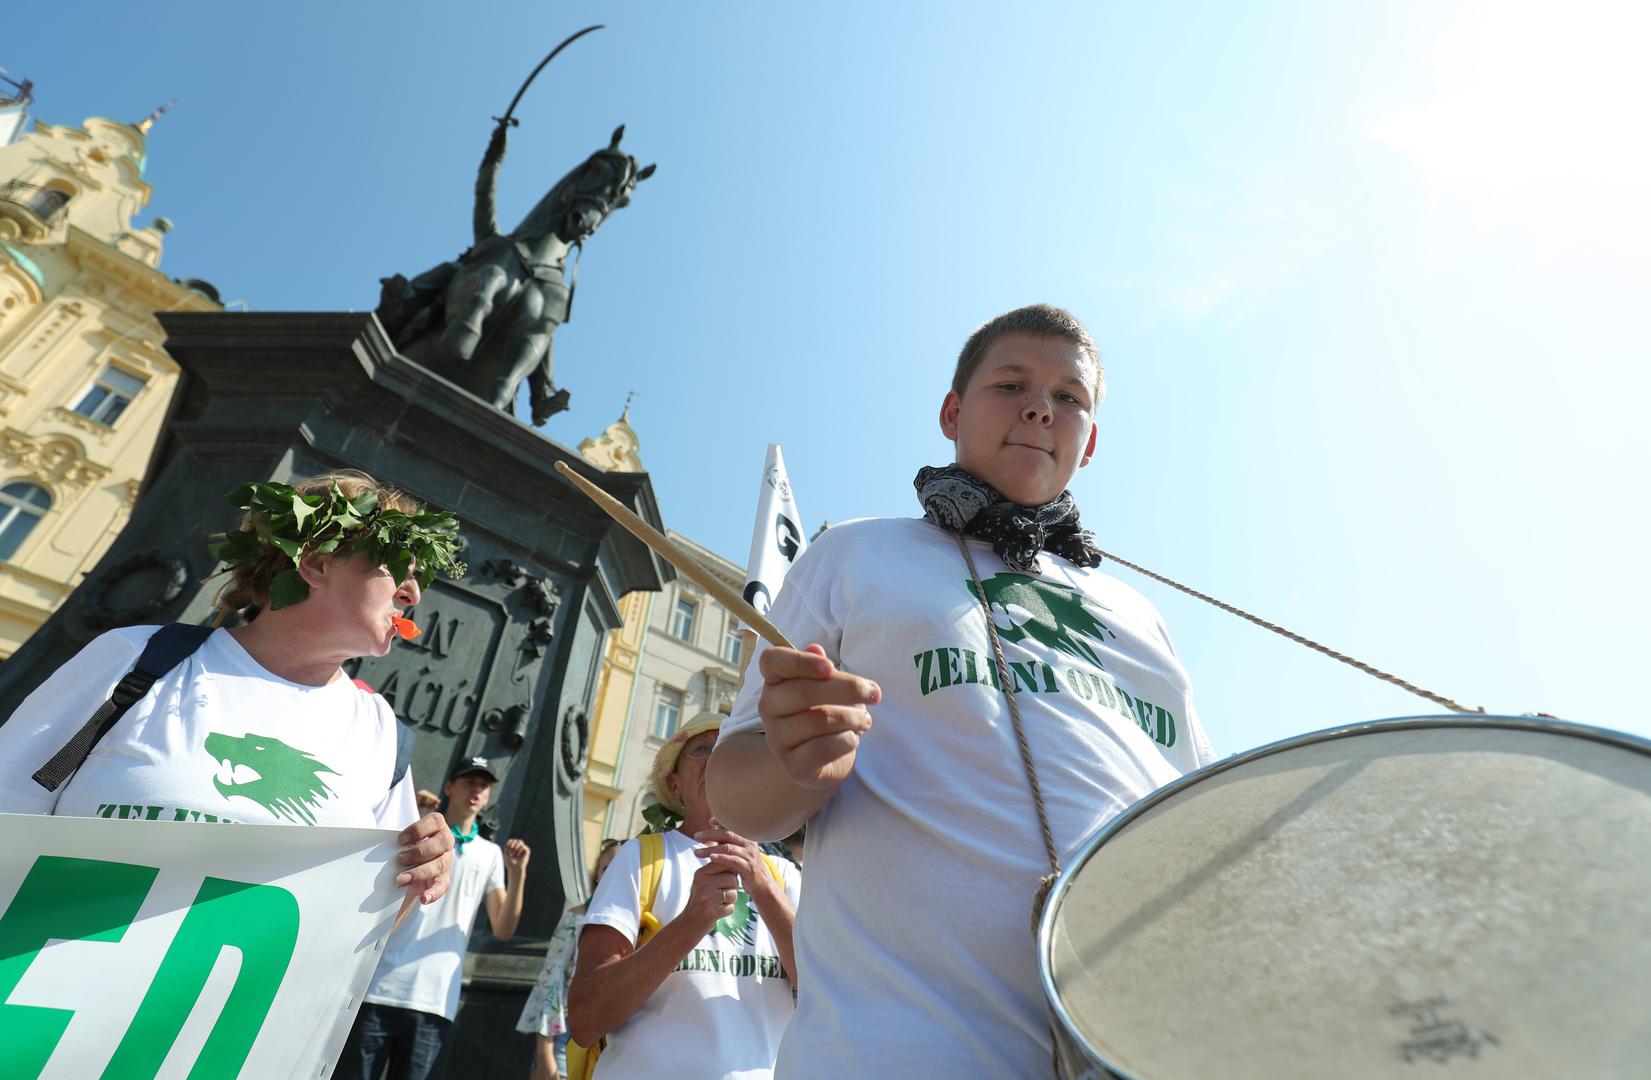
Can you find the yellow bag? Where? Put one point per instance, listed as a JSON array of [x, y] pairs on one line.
[[582, 1059]]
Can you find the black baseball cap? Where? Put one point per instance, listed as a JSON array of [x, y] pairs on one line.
[[474, 765]]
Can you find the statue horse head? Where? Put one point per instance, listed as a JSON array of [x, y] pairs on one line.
[[584, 198]]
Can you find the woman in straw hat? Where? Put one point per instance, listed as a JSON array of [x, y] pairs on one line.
[[710, 993]]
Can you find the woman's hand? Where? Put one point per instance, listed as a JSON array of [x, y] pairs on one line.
[[711, 897], [730, 851], [427, 858]]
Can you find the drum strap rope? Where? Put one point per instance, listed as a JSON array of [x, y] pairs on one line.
[[1437, 699], [1048, 881], [1041, 898]]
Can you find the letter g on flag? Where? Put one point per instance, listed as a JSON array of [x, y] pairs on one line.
[[777, 540]]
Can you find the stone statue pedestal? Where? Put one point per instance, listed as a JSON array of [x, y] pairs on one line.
[[507, 664]]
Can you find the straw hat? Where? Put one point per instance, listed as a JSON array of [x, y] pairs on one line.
[[665, 757]]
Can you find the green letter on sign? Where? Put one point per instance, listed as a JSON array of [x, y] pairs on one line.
[[70, 899], [259, 920]]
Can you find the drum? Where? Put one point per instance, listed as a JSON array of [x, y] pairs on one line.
[[1432, 896]]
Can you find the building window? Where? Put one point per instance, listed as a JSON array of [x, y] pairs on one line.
[[47, 202], [22, 505], [731, 641], [109, 395], [667, 713], [682, 619]]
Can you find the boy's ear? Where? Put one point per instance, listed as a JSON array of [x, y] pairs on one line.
[[312, 567], [1089, 447], [949, 410]]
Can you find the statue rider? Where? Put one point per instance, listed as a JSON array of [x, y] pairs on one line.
[[486, 321]]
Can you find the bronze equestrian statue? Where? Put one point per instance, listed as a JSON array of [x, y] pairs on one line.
[[485, 320]]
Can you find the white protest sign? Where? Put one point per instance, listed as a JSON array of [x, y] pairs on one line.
[[171, 949], [777, 539]]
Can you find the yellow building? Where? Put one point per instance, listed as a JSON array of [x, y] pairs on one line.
[[84, 383], [677, 653]]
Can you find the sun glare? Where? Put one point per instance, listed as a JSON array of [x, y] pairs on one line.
[[1546, 107]]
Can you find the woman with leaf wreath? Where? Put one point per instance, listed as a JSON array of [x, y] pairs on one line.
[[257, 723]]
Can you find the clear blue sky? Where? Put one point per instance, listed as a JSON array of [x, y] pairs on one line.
[[1370, 279]]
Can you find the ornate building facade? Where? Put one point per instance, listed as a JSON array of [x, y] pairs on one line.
[[84, 382], [677, 654]]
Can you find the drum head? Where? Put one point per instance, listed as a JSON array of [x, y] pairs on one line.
[[1467, 897]]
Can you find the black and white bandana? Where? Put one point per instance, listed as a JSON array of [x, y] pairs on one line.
[[958, 501]]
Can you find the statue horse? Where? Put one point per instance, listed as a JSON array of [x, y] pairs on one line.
[[485, 320]]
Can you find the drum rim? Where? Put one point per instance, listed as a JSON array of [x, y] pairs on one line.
[[1046, 925]]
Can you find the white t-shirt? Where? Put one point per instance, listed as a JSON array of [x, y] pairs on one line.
[[721, 1013], [217, 738], [423, 961], [914, 949]]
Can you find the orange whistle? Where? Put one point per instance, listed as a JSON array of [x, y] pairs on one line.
[[407, 628]]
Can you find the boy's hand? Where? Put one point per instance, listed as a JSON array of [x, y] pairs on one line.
[[813, 714]]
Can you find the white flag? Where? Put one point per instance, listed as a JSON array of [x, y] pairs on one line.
[[777, 539]]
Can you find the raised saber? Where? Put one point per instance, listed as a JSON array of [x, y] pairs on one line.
[[506, 118], [690, 567]]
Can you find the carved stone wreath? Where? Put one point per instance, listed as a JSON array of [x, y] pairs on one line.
[[575, 743]]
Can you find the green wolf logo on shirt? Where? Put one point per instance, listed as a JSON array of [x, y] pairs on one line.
[[1057, 616], [740, 928], [288, 781]]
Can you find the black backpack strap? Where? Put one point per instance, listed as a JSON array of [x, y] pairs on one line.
[[166, 649], [404, 753]]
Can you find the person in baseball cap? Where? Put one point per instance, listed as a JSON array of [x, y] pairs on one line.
[[407, 1013], [474, 766]]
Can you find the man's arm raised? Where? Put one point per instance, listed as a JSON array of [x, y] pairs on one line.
[[504, 906], [484, 218], [766, 785]]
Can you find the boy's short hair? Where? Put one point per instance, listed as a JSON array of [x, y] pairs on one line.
[[1044, 320]]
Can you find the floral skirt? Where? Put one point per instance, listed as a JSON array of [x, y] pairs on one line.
[[546, 1010]]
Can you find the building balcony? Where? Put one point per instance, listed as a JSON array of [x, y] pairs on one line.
[[35, 208]]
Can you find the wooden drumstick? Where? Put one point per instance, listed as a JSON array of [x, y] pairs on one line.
[[678, 558]]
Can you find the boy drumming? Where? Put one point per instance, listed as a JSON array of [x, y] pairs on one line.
[[891, 735]]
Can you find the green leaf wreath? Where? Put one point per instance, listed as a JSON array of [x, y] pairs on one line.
[[332, 523]]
